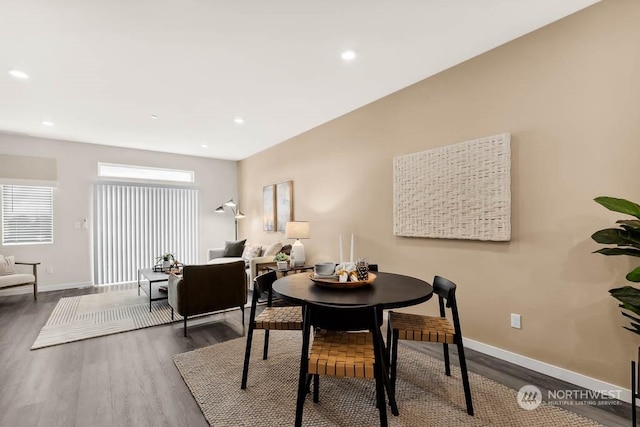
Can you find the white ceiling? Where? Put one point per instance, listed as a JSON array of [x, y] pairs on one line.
[[99, 69]]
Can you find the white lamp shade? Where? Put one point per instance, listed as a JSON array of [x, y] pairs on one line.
[[296, 230]]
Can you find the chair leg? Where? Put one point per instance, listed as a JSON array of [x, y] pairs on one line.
[[185, 324], [316, 388], [35, 291], [447, 365], [394, 362], [307, 386], [382, 406], [265, 352], [171, 313], [302, 394], [247, 355], [465, 378], [242, 309], [389, 338]]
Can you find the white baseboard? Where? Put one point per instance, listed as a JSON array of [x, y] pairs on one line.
[[44, 288], [547, 369]]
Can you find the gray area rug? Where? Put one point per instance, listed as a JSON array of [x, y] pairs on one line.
[[96, 315], [425, 395]]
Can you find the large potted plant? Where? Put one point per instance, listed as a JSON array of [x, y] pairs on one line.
[[626, 238]]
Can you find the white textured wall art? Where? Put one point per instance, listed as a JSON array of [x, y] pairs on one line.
[[460, 191]]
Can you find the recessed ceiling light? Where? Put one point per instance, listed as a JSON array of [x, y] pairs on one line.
[[46, 123], [348, 55], [204, 146], [19, 74], [154, 117], [239, 120]]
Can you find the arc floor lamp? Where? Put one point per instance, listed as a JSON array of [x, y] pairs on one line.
[[236, 212]]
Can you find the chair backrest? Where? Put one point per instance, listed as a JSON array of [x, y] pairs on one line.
[[264, 283], [344, 318], [446, 291], [212, 287]]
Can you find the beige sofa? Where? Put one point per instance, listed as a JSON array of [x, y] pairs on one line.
[[254, 266]]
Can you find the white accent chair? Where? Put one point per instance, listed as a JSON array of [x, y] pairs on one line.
[[19, 279]]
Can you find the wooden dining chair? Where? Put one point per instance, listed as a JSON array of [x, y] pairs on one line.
[[403, 326], [279, 318], [340, 352]]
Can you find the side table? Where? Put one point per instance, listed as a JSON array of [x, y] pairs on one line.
[[290, 269]]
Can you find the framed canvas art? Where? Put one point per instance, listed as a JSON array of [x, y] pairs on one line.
[[269, 207], [284, 204], [459, 191]]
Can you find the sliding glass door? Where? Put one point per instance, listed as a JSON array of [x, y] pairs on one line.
[[134, 224]]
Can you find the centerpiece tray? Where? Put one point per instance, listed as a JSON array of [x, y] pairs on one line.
[[331, 282]]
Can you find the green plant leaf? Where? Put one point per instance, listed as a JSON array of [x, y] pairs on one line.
[[619, 251], [616, 236], [627, 295], [635, 319], [634, 275], [619, 205], [630, 223]]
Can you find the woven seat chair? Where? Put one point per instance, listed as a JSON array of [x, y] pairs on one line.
[[413, 327], [338, 352], [278, 318]]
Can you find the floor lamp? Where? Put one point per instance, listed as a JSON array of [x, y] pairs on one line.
[[236, 212]]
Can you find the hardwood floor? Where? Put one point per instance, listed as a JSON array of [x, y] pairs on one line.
[[129, 379]]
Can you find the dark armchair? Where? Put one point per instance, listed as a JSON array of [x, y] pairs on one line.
[[207, 288]]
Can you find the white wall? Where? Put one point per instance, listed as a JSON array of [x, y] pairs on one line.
[[70, 255]]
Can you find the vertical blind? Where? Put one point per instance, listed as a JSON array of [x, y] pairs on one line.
[[134, 224], [27, 215]]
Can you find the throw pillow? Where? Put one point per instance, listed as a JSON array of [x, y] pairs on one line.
[[233, 249], [273, 249], [286, 249], [7, 265], [251, 251]]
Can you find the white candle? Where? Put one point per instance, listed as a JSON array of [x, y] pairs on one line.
[[351, 257], [341, 259]]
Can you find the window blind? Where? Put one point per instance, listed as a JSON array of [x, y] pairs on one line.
[[134, 224], [27, 215]]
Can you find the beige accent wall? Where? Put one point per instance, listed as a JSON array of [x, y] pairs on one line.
[[569, 94], [70, 255]]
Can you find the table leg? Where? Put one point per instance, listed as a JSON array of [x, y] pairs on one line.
[[138, 282], [150, 296]]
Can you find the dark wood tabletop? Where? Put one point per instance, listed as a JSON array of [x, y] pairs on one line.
[[389, 289]]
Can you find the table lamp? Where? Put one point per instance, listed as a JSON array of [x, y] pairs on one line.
[[297, 230]]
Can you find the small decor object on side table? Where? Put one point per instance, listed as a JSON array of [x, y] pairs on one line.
[[281, 261], [362, 267]]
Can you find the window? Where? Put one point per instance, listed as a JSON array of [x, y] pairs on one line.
[[27, 215], [142, 172], [134, 224]]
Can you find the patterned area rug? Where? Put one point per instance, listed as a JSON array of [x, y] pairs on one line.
[[96, 315], [425, 395]]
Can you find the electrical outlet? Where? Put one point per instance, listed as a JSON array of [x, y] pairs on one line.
[[516, 321], [49, 270]]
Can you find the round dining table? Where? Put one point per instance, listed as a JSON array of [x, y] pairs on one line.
[[389, 289]]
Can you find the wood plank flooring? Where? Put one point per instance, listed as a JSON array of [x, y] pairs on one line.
[[129, 379]]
